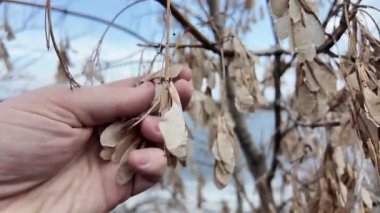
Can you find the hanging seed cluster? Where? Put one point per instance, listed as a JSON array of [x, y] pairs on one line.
[[121, 137]]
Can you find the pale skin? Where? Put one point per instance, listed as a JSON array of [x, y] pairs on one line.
[[49, 152]]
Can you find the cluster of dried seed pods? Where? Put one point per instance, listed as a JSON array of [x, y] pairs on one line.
[[121, 137], [298, 20]]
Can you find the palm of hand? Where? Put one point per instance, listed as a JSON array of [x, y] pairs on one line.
[[53, 156]]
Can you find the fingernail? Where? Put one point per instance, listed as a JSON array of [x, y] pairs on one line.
[[142, 160]]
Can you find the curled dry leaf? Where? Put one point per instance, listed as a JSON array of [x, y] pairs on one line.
[[223, 150], [173, 128]]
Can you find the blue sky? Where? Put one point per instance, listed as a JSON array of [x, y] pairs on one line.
[[36, 67]]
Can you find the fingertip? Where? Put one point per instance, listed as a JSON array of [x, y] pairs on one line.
[[148, 162], [150, 130], [184, 89], [185, 74]]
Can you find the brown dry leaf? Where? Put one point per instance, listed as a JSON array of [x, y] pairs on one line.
[[112, 135], [310, 78], [249, 4], [352, 80], [319, 75], [310, 100], [90, 73], [8, 29], [333, 193], [174, 71], [130, 142], [106, 153], [201, 108], [372, 102], [303, 45], [243, 75], [292, 147], [295, 11], [243, 100], [124, 174], [211, 80], [223, 150], [366, 198], [283, 27], [300, 22], [279, 7], [117, 144], [121, 137], [60, 76], [339, 161], [201, 66], [4, 55], [316, 31], [369, 134], [173, 128], [196, 108], [306, 101]]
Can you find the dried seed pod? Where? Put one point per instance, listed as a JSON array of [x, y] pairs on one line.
[[172, 126], [223, 150], [279, 7], [120, 138], [112, 135]]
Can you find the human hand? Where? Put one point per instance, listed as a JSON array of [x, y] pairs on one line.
[[49, 153]]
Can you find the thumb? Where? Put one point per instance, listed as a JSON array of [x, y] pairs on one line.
[[97, 105], [90, 106]]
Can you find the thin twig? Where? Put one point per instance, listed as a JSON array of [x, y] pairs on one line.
[[80, 15], [96, 52], [50, 33], [167, 50]]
